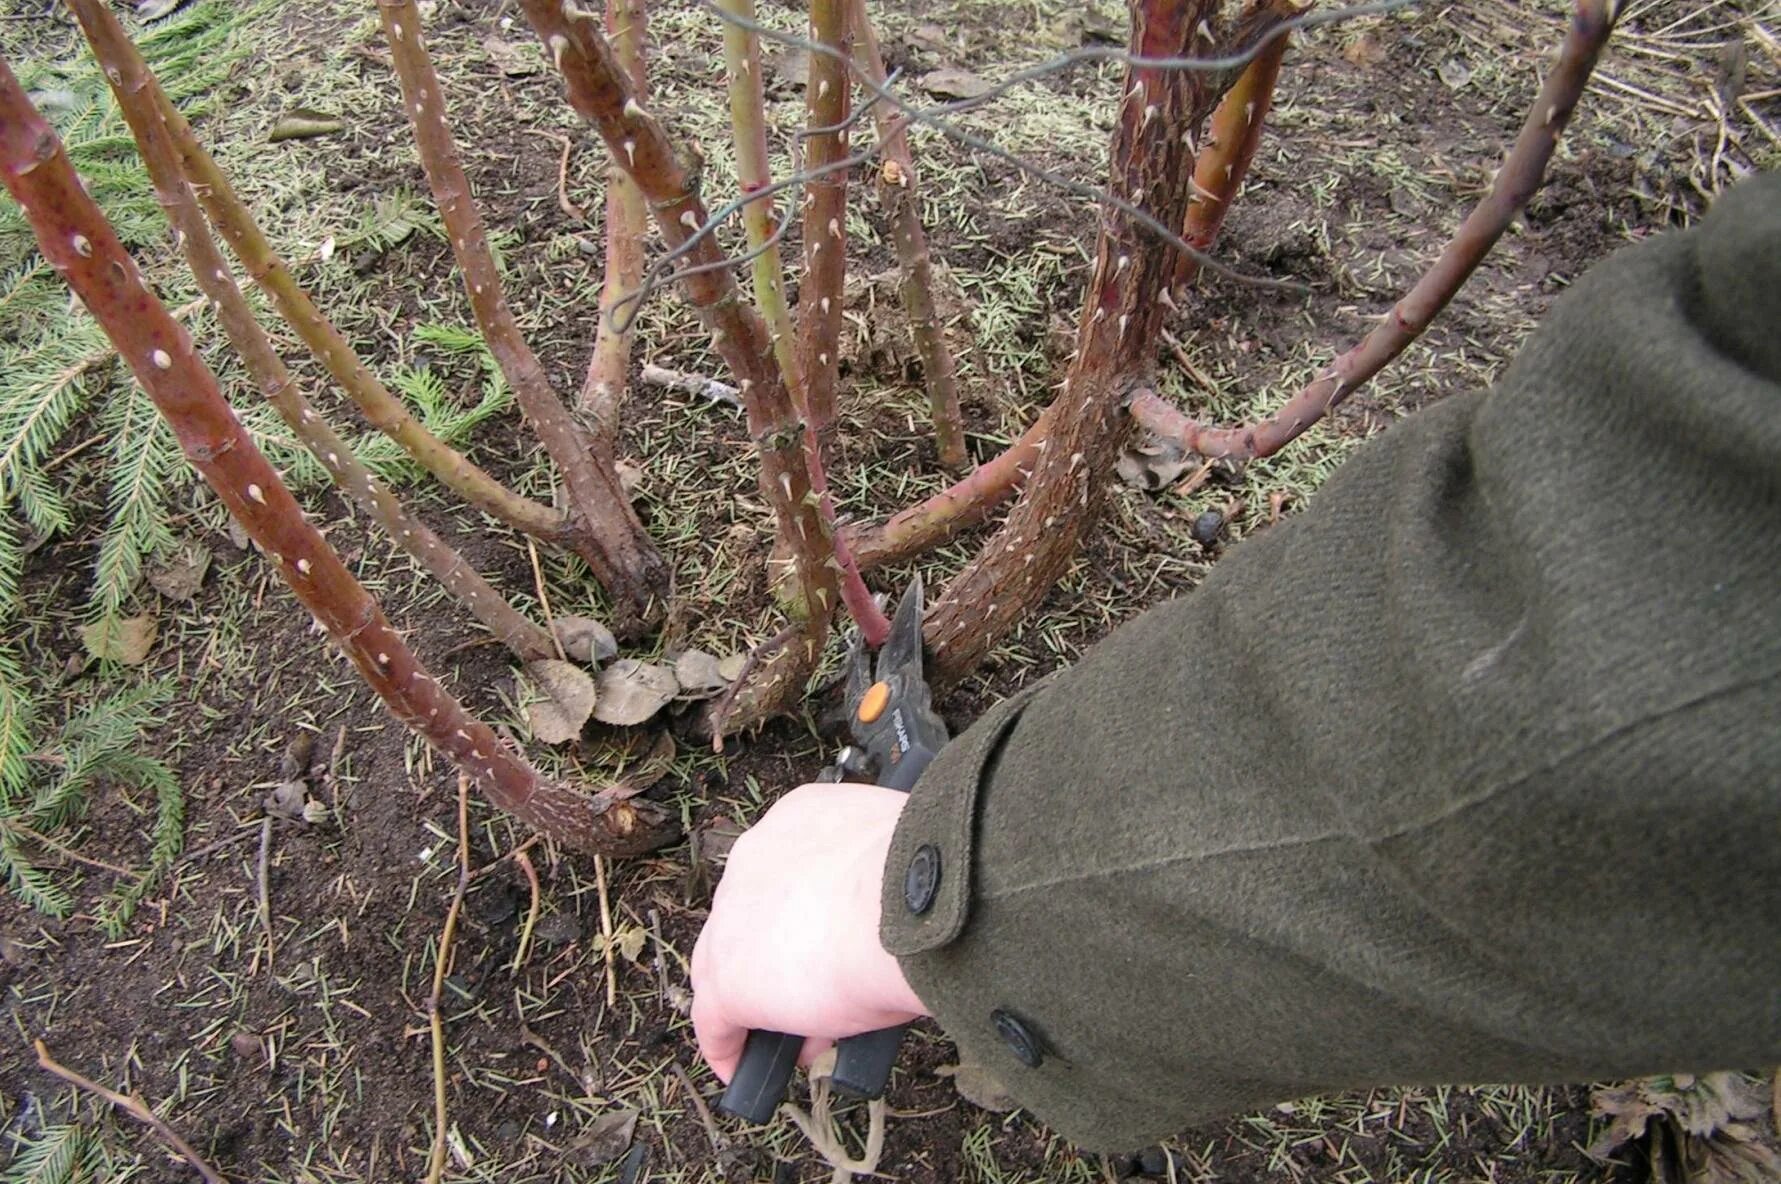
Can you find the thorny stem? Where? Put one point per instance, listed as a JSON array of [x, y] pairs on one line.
[[753, 173], [627, 221], [609, 535], [928, 524], [78, 242], [600, 93], [1151, 162], [267, 370], [748, 124], [133, 1106], [1232, 137], [901, 196], [1521, 174], [828, 96], [382, 409]]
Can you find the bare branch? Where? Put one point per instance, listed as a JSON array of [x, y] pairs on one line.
[[900, 193], [381, 409], [1516, 181], [603, 528], [76, 239], [828, 96], [133, 1106], [274, 381]]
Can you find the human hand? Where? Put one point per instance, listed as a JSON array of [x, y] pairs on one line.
[[792, 941]]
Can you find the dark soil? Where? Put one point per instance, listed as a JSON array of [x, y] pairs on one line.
[[313, 1062]]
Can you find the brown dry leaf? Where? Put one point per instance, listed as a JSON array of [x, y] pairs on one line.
[[182, 575], [1153, 465], [731, 667], [605, 1141], [568, 698], [949, 82], [120, 639], [977, 1087], [629, 941], [700, 675], [630, 478], [516, 59], [1454, 73], [585, 639], [1710, 1129], [631, 691], [303, 123], [1364, 47], [287, 800], [154, 10]]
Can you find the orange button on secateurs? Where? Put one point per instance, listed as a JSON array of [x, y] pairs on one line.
[[873, 702]]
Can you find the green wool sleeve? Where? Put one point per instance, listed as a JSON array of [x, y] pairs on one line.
[[1470, 773]]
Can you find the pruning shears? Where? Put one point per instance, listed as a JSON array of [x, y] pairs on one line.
[[895, 735]]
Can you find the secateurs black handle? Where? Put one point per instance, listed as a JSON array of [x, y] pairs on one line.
[[896, 735]]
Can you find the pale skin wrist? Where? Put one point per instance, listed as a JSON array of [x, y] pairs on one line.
[[792, 941]]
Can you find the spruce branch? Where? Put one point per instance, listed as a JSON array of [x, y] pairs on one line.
[[80, 244], [900, 193], [231, 217], [601, 525], [274, 381], [1520, 176], [627, 221]]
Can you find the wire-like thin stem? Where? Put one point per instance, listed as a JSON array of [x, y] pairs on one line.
[[602, 525], [1521, 174], [436, 996], [900, 193]]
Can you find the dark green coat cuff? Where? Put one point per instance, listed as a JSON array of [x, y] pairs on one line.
[[927, 879]]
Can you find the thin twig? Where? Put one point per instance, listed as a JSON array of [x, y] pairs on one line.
[[550, 623], [264, 880], [66, 852], [575, 212], [718, 1143], [606, 931], [435, 998], [655, 932], [136, 1108], [525, 933]]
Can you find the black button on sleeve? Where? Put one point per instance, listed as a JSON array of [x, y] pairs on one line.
[[922, 878], [1026, 1046]]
